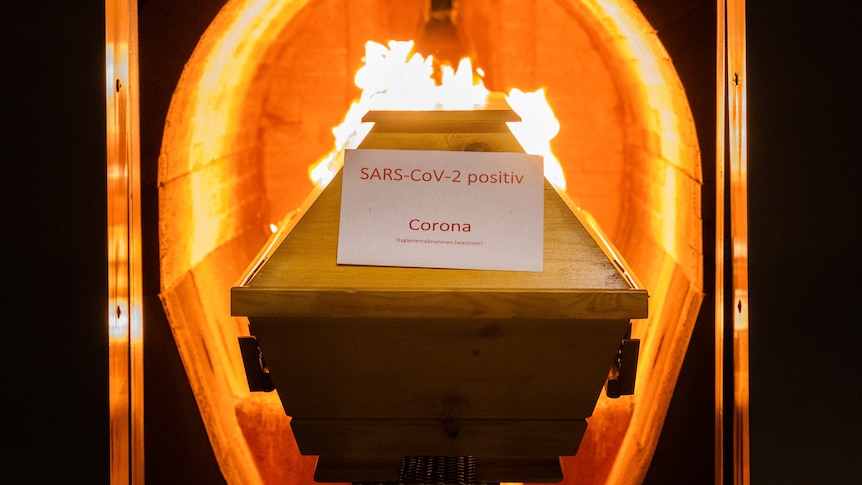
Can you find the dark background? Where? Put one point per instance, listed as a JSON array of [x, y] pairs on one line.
[[804, 99]]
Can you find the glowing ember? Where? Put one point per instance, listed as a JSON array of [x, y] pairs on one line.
[[394, 77]]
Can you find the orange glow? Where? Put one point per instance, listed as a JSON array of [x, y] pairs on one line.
[[222, 78], [397, 78], [254, 109], [651, 69]]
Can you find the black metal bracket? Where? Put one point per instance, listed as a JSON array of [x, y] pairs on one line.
[[436, 470], [256, 371], [621, 379]]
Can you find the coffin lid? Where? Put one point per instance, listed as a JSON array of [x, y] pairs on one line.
[[296, 274]]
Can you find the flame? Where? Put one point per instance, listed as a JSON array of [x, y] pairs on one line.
[[394, 77], [537, 127]]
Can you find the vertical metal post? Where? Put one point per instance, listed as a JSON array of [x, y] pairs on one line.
[[720, 154], [125, 294], [732, 189], [738, 186]]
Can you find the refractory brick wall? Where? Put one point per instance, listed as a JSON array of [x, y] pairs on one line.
[[254, 110]]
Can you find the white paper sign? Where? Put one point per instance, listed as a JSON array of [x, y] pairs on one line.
[[442, 209]]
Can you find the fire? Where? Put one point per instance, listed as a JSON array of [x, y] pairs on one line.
[[395, 77]]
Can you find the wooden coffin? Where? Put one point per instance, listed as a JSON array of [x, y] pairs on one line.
[[374, 364]]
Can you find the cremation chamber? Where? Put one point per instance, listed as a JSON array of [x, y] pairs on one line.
[[379, 366], [254, 109]]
